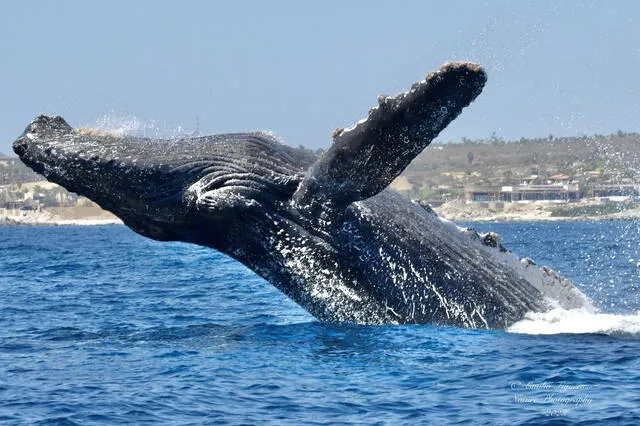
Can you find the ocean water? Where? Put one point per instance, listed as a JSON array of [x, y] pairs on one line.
[[101, 326]]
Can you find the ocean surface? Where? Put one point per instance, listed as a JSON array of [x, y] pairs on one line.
[[101, 326]]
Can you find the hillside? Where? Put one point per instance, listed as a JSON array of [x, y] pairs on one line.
[[442, 171]]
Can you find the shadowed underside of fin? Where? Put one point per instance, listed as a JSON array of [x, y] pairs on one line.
[[367, 157]]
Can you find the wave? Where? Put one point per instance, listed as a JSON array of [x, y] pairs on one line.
[[578, 321]]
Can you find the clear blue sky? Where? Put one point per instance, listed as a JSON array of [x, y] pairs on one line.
[[302, 69]]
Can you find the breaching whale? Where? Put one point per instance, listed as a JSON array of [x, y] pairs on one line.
[[325, 231]]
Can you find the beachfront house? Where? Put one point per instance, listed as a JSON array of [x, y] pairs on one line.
[[556, 189]]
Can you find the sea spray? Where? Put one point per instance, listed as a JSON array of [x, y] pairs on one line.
[[131, 125], [578, 321]]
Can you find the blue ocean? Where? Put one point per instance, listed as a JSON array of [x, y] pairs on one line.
[[101, 326]]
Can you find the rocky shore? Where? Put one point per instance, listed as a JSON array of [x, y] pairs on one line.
[[59, 216], [459, 211]]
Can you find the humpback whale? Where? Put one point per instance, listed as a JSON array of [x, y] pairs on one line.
[[324, 230]]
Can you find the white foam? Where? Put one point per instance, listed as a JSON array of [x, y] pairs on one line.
[[130, 125], [577, 321]]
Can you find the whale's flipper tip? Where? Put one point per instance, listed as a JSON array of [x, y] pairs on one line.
[[366, 157]]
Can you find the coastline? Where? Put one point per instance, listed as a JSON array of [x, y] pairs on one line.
[[455, 211], [458, 211], [63, 216]]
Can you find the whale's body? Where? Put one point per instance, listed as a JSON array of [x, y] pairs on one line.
[[323, 230]]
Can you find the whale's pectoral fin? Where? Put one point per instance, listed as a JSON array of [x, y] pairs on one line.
[[366, 158]]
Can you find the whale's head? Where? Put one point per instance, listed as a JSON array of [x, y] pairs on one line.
[[163, 188]]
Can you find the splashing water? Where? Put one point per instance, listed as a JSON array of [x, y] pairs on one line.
[[599, 257], [578, 321], [130, 125]]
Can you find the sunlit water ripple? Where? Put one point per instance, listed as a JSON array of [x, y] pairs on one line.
[[100, 326]]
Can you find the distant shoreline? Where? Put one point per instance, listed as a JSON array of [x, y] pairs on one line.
[[458, 211], [499, 219], [70, 216], [454, 211], [5, 221]]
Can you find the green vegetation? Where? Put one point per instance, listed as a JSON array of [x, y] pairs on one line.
[[592, 210]]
